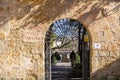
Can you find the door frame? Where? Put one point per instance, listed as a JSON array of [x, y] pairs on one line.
[[48, 54]]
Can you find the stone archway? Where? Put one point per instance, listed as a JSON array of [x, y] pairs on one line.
[[83, 48]]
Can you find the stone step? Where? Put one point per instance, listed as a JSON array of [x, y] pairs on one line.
[[60, 76], [66, 78]]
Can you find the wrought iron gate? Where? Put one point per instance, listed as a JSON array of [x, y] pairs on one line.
[[64, 31]]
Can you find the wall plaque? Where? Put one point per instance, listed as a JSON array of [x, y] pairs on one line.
[[32, 36], [97, 45]]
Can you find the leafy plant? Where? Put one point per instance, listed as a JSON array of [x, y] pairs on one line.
[[57, 55], [77, 60], [53, 59]]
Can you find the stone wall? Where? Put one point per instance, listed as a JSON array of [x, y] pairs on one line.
[[24, 23], [20, 57]]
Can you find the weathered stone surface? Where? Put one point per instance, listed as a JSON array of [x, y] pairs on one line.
[[32, 77], [24, 58], [2, 36]]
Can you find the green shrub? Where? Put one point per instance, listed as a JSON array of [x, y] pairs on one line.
[[77, 60], [57, 55], [53, 59]]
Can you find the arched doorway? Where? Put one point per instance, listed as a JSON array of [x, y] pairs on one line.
[[61, 33]]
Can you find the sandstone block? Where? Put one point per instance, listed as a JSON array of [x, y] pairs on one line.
[[36, 56], [32, 77], [2, 36]]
